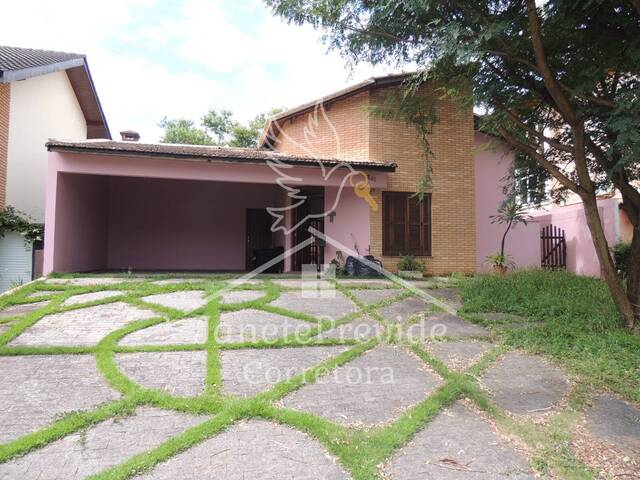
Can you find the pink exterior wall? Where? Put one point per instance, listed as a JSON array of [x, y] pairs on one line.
[[178, 224], [131, 166], [81, 234], [350, 225], [581, 255], [492, 164], [119, 214]]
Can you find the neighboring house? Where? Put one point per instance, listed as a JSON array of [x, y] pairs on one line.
[[43, 94], [129, 205]]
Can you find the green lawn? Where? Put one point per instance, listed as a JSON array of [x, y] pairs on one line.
[[576, 324]]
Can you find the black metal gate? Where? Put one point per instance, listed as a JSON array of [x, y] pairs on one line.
[[554, 248]]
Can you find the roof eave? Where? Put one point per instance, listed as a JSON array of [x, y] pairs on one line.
[[25, 73], [9, 76], [56, 147], [97, 98]]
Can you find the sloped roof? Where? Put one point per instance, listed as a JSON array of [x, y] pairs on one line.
[[203, 153], [272, 127], [22, 63], [16, 62]]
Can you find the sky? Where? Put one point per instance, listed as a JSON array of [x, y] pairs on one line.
[[155, 58]]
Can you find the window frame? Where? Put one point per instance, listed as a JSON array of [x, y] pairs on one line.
[[390, 202]]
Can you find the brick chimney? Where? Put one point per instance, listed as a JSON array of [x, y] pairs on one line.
[[129, 136]]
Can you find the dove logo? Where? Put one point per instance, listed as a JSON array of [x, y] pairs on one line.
[[345, 174]]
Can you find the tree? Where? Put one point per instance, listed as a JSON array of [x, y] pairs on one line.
[[511, 214], [560, 83], [219, 124], [182, 131], [248, 135], [218, 128]]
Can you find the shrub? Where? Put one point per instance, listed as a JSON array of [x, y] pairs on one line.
[[500, 262], [622, 257], [409, 263]]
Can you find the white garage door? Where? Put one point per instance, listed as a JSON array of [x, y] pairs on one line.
[[15, 261]]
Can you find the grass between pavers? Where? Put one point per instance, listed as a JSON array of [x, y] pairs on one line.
[[360, 451], [574, 322]]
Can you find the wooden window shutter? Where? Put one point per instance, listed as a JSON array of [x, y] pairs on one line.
[[406, 224]]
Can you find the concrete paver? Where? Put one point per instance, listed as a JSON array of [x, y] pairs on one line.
[[525, 384], [91, 297], [372, 389], [102, 446], [253, 449], [403, 310], [247, 372], [371, 296], [83, 326], [36, 389], [177, 332], [177, 373], [332, 304], [458, 445], [186, 301], [615, 421], [254, 325], [459, 355], [22, 309]]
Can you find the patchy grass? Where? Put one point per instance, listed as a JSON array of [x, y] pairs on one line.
[[361, 451], [575, 322]]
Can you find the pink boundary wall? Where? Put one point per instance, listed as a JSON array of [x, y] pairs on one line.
[[492, 164], [107, 212], [581, 255]]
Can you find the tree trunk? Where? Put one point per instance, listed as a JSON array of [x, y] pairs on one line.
[[633, 277], [504, 237], [631, 206], [607, 264]]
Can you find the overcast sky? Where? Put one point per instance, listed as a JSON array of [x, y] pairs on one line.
[[151, 58]]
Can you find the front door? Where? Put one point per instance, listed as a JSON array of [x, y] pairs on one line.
[[312, 254], [258, 234]]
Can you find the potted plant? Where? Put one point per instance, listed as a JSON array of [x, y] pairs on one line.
[[511, 214], [409, 267], [500, 263]]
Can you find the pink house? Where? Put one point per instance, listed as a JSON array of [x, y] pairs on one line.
[[129, 205]]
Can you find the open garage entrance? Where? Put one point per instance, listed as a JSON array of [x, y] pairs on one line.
[[129, 223], [161, 207]]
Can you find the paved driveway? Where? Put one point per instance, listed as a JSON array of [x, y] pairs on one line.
[[166, 378]]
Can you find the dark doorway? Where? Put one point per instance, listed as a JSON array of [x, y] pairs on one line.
[[314, 204], [259, 236]]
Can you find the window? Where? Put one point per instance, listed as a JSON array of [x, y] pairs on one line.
[[406, 224]]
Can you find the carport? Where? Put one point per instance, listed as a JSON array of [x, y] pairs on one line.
[[133, 206]]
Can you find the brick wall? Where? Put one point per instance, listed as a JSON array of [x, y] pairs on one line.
[[342, 132], [364, 136], [453, 197], [5, 95]]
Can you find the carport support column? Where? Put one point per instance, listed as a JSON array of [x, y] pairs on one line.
[[50, 215]]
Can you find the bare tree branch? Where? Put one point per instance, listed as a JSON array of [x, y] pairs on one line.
[[550, 141], [549, 79], [603, 102], [538, 157]]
